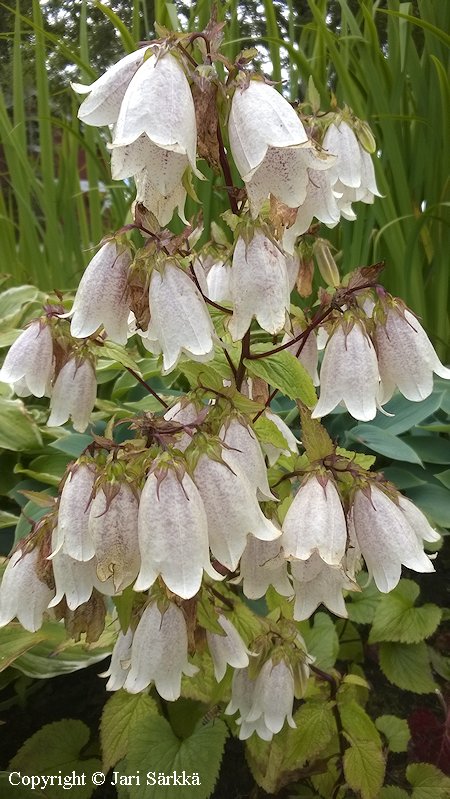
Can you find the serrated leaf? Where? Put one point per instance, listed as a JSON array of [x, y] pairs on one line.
[[364, 768], [357, 723], [316, 726], [361, 607], [56, 748], [269, 433], [202, 686], [428, 781], [315, 438], [395, 730], [363, 460], [325, 783], [287, 374], [321, 640], [120, 713], [266, 760], [392, 792], [350, 642], [119, 354], [407, 666], [154, 747], [396, 618]]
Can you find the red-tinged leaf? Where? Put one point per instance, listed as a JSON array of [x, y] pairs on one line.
[[430, 736]]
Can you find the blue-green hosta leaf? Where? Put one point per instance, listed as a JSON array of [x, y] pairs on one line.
[[154, 747], [430, 448], [72, 444], [407, 414], [396, 732], [407, 666], [434, 500], [54, 749], [397, 619], [383, 442], [120, 714], [285, 372], [428, 781]]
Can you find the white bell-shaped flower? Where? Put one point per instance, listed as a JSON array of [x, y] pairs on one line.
[[113, 526], [270, 146], [159, 186], [352, 174], [309, 355], [349, 374], [232, 510], [102, 295], [73, 533], [159, 652], [73, 395], [315, 583], [315, 522], [406, 356], [29, 361], [120, 661], [22, 593], [74, 579], [259, 286], [365, 193], [319, 203], [157, 111], [386, 538], [226, 649], [242, 690], [418, 521], [243, 449], [273, 696], [173, 534], [105, 95], [180, 321], [218, 282], [263, 564]]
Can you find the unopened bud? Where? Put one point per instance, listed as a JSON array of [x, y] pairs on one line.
[[326, 263]]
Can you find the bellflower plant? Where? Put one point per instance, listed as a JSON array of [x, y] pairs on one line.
[[207, 502]]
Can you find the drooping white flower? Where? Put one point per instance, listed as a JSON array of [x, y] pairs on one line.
[[74, 579], [105, 95], [73, 533], [349, 374], [102, 295], [180, 321], [113, 526], [406, 356], [22, 593], [273, 696], [30, 360], [228, 648], [315, 583], [315, 522], [270, 146], [173, 534], [159, 186], [232, 510], [352, 174], [320, 203], [73, 395], [259, 286], [120, 661], [263, 564], [242, 690], [159, 652], [243, 449], [418, 521], [386, 538]]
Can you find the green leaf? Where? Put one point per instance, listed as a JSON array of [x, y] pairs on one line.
[[46, 468], [428, 781], [366, 461], [268, 432], [14, 641], [266, 760], [434, 500], [383, 442], [392, 792], [120, 713], [287, 374], [18, 431], [154, 747], [361, 607], [430, 448], [396, 732], [73, 444], [315, 438], [407, 666], [357, 723], [407, 414], [7, 519], [444, 478], [350, 642], [321, 640], [396, 618], [364, 768], [119, 354], [403, 478], [316, 726], [56, 748]]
